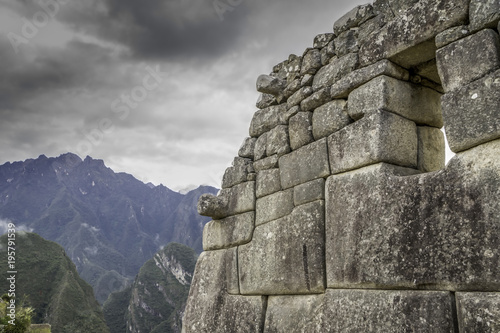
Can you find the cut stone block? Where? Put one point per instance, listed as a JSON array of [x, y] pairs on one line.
[[311, 62], [293, 67], [229, 232], [431, 149], [478, 312], [460, 63], [308, 192], [354, 311], [270, 85], [451, 35], [286, 256], [235, 200], [330, 118], [348, 83], [300, 130], [277, 141], [409, 42], [378, 137], [211, 309], [212, 206], [268, 182], [265, 100], [304, 164], [317, 99], [353, 18], [484, 14], [285, 117], [259, 150], [472, 113], [307, 80], [346, 42], [274, 206], [414, 102], [238, 172], [247, 148], [434, 230], [337, 69], [292, 88], [322, 40], [266, 119], [266, 163], [299, 96]]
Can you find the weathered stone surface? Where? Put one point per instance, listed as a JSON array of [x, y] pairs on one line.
[[265, 100], [311, 62], [369, 27], [330, 118], [307, 80], [435, 230], [274, 206], [317, 99], [414, 102], [308, 192], [354, 311], [270, 85], [286, 256], [300, 130], [472, 113], [211, 309], [348, 83], [378, 137], [247, 148], [330, 49], [322, 40], [268, 182], [459, 63], [293, 67], [266, 163], [285, 117], [291, 88], [431, 149], [260, 147], [231, 231], [299, 96], [451, 35], [304, 164], [325, 57], [238, 172], [212, 206], [484, 14], [478, 312], [331, 73], [277, 141], [346, 42], [237, 199], [405, 41], [266, 119], [353, 18]]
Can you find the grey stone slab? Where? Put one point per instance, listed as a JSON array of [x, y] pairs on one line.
[[322, 40], [285, 117], [353, 18], [370, 27], [274, 206], [308, 192], [212, 206], [378, 137], [346, 42], [211, 309], [419, 104], [311, 62], [452, 35], [478, 312], [238, 172], [300, 130], [304, 164], [293, 67], [270, 85], [435, 230], [286, 256], [307, 80], [460, 63], [268, 182], [353, 80], [484, 14], [431, 149], [247, 148], [291, 88], [239, 198], [278, 141], [259, 150], [406, 42], [332, 72], [354, 311], [266, 163], [229, 232], [472, 113], [265, 101], [266, 119], [299, 96], [317, 99], [330, 118]]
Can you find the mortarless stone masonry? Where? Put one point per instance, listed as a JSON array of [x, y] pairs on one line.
[[339, 214]]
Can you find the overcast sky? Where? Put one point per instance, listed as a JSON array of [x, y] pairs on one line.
[[163, 90]]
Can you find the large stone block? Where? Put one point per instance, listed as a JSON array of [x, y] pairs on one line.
[[414, 102], [260, 147], [347, 42], [431, 149], [329, 118], [478, 312], [460, 63], [308, 192], [274, 206], [451, 35], [378, 137], [299, 96], [353, 18], [435, 230], [317, 99], [270, 85], [300, 130], [231, 231], [331, 73], [286, 256], [266, 119], [210, 308], [230, 201], [268, 182], [351, 81], [304, 164], [322, 40], [311, 62], [472, 113], [277, 141], [484, 14], [409, 42], [354, 311], [266, 163], [238, 172], [247, 148]]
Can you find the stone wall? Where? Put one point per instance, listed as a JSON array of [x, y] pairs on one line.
[[338, 214]]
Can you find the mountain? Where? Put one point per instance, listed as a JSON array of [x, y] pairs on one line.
[[156, 300], [49, 280], [109, 223]]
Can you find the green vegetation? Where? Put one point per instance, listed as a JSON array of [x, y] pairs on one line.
[[17, 320]]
